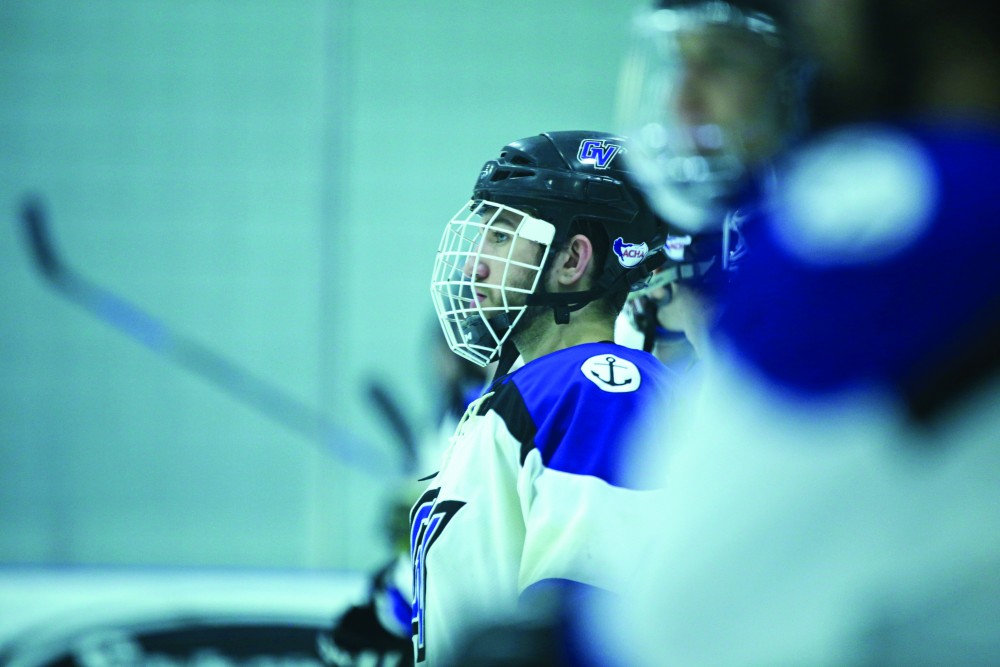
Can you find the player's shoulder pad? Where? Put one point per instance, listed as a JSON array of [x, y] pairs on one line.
[[592, 368], [578, 406], [582, 374]]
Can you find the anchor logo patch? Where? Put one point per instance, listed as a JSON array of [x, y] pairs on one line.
[[612, 374]]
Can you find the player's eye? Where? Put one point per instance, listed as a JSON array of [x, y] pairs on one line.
[[498, 237]]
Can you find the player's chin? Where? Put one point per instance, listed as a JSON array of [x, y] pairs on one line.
[[670, 318]]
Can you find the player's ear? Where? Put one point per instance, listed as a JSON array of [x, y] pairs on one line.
[[574, 260]]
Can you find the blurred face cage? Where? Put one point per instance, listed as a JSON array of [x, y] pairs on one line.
[[701, 97], [491, 258]]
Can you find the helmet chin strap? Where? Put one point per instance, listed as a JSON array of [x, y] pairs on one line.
[[508, 355], [564, 303], [651, 324], [561, 308]]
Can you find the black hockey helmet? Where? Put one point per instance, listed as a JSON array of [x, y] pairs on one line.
[[570, 179]]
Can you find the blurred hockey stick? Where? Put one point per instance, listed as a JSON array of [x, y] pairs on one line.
[[261, 395], [392, 413]]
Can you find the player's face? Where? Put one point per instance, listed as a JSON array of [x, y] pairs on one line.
[[683, 307], [506, 268], [725, 94], [489, 261], [705, 103]]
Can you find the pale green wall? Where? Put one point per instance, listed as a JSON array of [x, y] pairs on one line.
[[270, 178]]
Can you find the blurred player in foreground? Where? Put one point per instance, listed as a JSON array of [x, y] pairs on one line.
[[538, 264], [710, 94], [835, 498]]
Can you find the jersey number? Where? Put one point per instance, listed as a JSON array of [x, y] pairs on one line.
[[428, 519]]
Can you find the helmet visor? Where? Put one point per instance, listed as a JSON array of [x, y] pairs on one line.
[[701, 101]]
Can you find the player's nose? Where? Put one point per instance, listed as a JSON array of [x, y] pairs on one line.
[[472, 268], [688, 102]]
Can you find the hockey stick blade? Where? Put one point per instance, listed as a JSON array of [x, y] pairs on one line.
[[42, 250], [261, 395]]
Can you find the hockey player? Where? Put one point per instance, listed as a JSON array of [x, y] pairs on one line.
[[673, 314], [711, 94], [835, 500], [538, 264]]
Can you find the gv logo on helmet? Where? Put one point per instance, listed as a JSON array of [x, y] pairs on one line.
[[597, 152], [629, 254]]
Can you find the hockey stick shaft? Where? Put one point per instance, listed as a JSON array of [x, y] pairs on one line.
[[198, 359], [392, 413]]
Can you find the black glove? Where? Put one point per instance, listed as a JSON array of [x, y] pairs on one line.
[[358, 639]]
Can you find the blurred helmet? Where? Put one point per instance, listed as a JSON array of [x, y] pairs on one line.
[[707, 261], [535, 196], [709, 91]]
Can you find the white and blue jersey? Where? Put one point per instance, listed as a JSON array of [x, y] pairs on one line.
[[531, 490], [835, 500]]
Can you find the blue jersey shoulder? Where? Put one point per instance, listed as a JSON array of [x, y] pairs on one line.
[[876, 254], [579, 406]]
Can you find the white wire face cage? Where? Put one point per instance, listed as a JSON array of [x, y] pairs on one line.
[[687, 161], [490, 259]]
